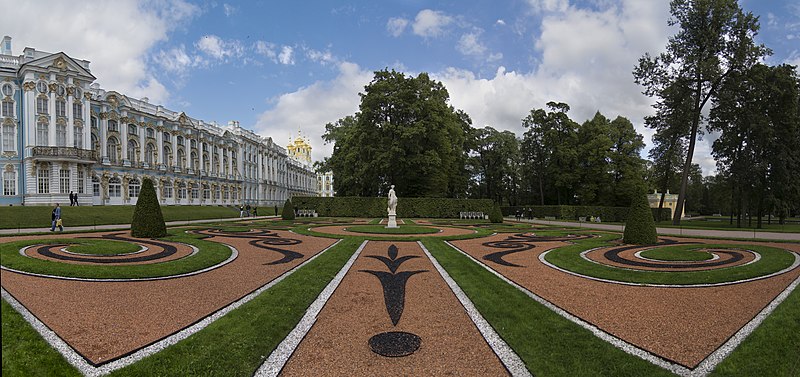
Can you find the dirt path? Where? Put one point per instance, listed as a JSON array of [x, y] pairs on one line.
[[339, 343], [106, 320], [683, 325]]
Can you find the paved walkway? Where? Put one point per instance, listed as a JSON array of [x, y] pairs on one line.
[[125, 226], [743, 234]]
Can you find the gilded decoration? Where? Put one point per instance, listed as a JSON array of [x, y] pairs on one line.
[[87, 95], [60, 63], [43, 119], [70, 90], [52, 86], [112, 100], [9, 168], [28, 86], [9, 122]]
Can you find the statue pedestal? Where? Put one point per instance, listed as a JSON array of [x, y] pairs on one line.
[[392, 221]]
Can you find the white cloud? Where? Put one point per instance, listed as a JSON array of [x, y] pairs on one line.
[[229, 9], [267, 49], [431, 23], [286, 57], [500, 22], [323, 57], [219, 48], [176, 60], [115, 36], [311, 107], [469, 44], [539, 6], [396, 26]]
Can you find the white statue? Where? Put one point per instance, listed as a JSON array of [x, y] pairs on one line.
[[392, 202]]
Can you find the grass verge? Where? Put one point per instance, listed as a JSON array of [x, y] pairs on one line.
[[39, 216], [402, 229], [102, 247], [676, 254], [549, 344]]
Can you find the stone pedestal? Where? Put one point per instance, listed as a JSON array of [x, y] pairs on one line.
[[392, 221]]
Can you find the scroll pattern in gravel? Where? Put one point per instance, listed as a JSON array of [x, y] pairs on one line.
[[103, 321], [338, 343], [682, 325]]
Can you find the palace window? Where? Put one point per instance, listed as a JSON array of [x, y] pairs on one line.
[[149, 153], [216, 193], [131, 150], [61, 135], [63, 181], [78, 93], [114, 187], [41, 87], [93, 122], [9, 183], [61, 108], [182, 191], [77, 110], [167, 137], [167, 153], [42, 105], [9, 138], [8, 109], [167, 189], [181, 159], [195, 191], [134, 186], [111, 150], [43, 179], [113, 126], [95, 186], [81, 181], [151, 133], [206, 192], [61, 90], [77, 133], [41, 133], [225, 195], [131, 129], [180, 140], [193, 143]]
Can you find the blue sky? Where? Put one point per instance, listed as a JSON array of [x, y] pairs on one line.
[[282, 66]]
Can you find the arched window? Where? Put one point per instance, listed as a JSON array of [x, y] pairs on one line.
[[114, 187], [134, 186], [10, 182], [150, 132], [195, 161], [206, 191], [93, 122], [113, 126], [180, 140], [149, 155], [167, 153], [195, 191], [41, 132], [95, 144], [181, 190], [95, 186], [132, 146], [111, 150], [181, 159], [132, 129]]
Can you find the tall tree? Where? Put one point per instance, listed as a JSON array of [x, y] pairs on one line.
[[495, 165], [715, 38], [405, 134]]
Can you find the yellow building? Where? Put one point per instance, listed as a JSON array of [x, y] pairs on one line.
[[670, 201], [300, 149]]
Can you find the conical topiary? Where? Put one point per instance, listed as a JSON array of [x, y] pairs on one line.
[[288, 210], [496, 216], [148, 221], [640, 228]]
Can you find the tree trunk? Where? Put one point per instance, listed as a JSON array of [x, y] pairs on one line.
[[541, 190]]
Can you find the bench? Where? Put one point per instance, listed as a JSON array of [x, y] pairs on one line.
[[306, 213], [472, 215]]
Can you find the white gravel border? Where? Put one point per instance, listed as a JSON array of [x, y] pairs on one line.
[[507, 356], [80, 363], [703, 369], [278, 358]]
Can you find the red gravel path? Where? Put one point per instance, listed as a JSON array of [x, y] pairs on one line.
[[680, 324], [337, 344], [105, 320], [342, 230]]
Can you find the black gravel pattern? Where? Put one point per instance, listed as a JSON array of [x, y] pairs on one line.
[[395, 343]]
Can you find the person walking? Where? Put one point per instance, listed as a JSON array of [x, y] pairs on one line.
[[276, 210], [255, 211], [71, 199], [55, 216], [241, 210]]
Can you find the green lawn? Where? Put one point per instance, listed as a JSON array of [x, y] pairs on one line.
[[102, 247], [723, 223], [39, 216], [676, 254], [382, 229]]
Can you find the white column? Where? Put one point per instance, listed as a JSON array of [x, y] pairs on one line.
[[102, 125], [51, 109], [123, 135], [70, 120], [160, 146], [142, 142]]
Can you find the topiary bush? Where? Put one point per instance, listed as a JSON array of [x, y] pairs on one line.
[[640, 228], [148, 221], [495, 215], [288, 210]]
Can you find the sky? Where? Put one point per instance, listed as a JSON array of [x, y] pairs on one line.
[[279, 67]]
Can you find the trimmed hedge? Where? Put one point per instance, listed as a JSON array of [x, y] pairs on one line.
[[288, 210], [351, 206], [613, 214], [640, 228], [148, 221]]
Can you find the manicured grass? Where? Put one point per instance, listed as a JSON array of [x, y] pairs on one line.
[[568, 257], [25, 353], [308, 231], [39, 216], [723, 223], [549, 344], [238, 343], [101, 247], [210, 254], [676, 254], [773, 349], [381, 229]]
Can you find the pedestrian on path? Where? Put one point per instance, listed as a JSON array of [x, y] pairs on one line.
[[241, 210], [71, 199], [276, 210], [55, 216], [255, 211]]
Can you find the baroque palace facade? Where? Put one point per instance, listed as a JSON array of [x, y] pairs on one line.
[[61, 133]]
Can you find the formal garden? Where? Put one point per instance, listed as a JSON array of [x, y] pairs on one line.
[[341, 295]]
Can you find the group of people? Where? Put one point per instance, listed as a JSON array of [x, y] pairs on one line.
[[245, 211], [73, 198], [524, 213]]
